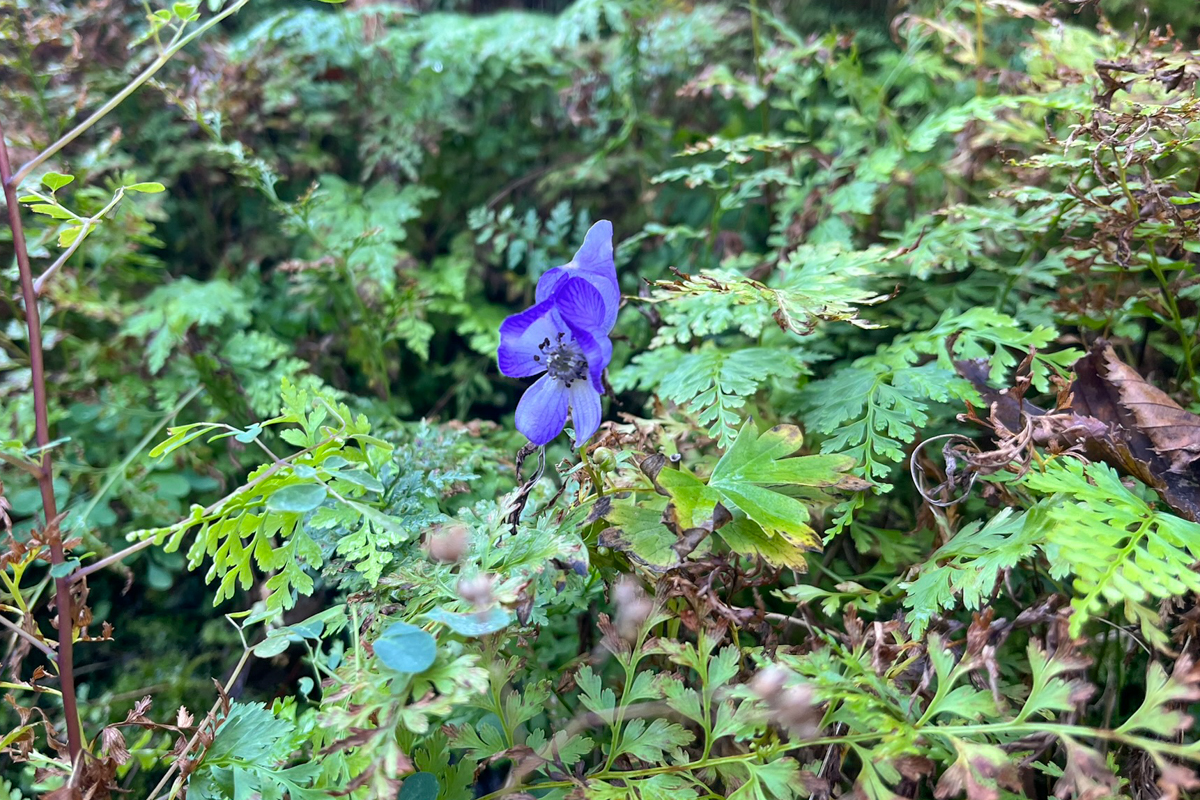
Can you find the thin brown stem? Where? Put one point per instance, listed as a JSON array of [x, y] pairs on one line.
[[33, 324], [109, 560]]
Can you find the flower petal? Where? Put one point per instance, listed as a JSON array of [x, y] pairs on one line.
[[596, 252], [594, 263], [585, 411], [546, 283], [581, 303], [542, 411], [520, 336]]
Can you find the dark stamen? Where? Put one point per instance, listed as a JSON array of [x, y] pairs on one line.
[[565, 361]]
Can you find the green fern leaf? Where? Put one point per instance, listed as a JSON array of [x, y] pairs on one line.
[[1118, 548]]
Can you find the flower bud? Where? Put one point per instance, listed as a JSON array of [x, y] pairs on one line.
[[604, 459]]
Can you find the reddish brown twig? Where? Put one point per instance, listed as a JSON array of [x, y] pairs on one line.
[[45, 476]]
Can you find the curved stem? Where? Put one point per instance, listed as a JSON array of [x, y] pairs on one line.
[[33, 324], [119, 472], [24, 634], [85, 229]]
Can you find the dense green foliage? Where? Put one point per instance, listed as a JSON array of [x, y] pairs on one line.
[[882, 505]]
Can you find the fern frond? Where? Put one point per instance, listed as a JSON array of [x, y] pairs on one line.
[[711, 384], [1118, 548]]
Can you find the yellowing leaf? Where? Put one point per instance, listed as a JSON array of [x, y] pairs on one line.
[[744, 479], [747, 538]]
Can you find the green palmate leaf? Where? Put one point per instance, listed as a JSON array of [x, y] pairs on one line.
[[650, 742], [745, 537], [405, 648], [594, 696], [481, 741], [563, 746], [638, 531], [746, 476]]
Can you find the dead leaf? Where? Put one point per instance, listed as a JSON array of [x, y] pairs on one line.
[[980, 772], [1109, 413], [114, 745], [1086, 775], [1174, 432]]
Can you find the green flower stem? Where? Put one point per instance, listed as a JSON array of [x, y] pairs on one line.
[[115, 474], [175, 45], [1185, 339], [88, 224]]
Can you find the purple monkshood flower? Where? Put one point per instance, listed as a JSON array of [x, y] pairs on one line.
[[565, 335]]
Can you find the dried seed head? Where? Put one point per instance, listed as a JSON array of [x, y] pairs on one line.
[[477, 590], [792, 708], [447, 545], [633, 607]]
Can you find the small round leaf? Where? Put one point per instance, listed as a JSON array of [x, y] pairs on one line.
[[478, 624], [405, 648], [419, 786], [271, 646], [297, 498]]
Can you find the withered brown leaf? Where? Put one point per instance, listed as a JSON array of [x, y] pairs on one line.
[[1174, 432]]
